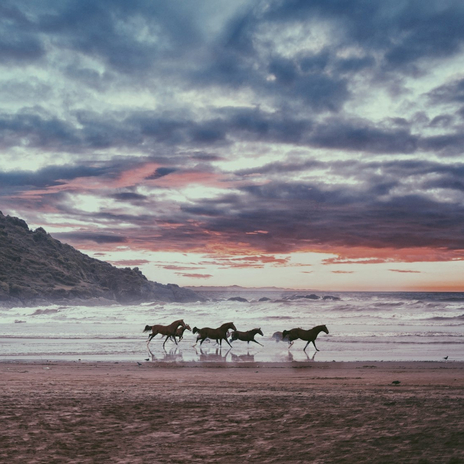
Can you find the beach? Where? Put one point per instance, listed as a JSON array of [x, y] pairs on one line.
[[136, 412]]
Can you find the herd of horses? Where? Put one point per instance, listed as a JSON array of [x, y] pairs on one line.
[[175, 332]]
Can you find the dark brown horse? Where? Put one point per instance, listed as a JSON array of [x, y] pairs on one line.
[[248, 336], [167, 330], [218, 334], [306, 335], [180, 332]]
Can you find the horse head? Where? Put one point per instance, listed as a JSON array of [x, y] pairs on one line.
[[187, 327], [284, 333], [195, 330], [227, 326], [260, 332], [325, 329]]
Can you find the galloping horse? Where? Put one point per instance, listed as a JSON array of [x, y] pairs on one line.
[[180, 332], [306, 335], [168, 330], [218, 334], [248, 336]]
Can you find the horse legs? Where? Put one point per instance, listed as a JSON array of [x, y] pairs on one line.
[[256, 342], [290, 344], [220, 342], [304, 349], [314, 343]]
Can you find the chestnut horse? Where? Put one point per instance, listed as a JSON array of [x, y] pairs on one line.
[[167, 330], [180, 332], [248, 336], [218, 334], [306, 335]]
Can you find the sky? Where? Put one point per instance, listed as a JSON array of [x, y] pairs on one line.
[[307, 144]]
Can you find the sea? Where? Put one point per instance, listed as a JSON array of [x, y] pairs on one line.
[[362, 327]]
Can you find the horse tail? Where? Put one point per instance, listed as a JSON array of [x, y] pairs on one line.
[[147, 328], [195, 330]]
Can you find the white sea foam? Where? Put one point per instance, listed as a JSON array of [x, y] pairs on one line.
[[363, 326]]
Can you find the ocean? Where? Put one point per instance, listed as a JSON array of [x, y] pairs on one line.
[[362, 327]]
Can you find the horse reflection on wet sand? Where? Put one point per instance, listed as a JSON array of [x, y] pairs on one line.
[[218, 334], [217, 356], [166, 330], [306, 335], [173, 355]]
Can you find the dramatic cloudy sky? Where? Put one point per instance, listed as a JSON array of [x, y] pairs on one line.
[[301, 143]]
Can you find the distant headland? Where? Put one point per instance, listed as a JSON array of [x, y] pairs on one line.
[[35, 268]]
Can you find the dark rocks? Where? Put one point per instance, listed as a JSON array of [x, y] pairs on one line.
[[36, 268], [313, 296], [238, 298], [308, 297]]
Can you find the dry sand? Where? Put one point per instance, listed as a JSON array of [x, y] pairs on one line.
[[60, 412]]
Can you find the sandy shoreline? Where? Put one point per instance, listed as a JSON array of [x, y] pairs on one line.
[[224, 412]]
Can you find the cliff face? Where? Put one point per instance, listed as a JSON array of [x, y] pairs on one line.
[[35, 267]]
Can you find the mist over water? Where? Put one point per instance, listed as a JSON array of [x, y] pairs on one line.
[[362, 327]]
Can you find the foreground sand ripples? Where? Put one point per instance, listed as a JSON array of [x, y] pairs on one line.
[[318, 412]]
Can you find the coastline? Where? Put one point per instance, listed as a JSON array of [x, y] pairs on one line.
[[62, 411]]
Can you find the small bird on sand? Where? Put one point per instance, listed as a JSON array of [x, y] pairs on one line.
[[396, 382], [446, 357], [139, 363]]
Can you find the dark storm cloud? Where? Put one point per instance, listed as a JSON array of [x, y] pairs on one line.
[[19, 42], [46, 177], [110, 30], [448, 93], [161, 172], [146, 130], [405, 31], [80, 237], [369, 214], [162, 81], [129, 196], [35, 129], [363, 136], [300, 214], [255, 124]]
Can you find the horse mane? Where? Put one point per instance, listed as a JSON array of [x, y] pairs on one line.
[[195, 330], [147, 328]]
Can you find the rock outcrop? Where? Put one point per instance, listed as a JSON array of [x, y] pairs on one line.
[[36, 268]]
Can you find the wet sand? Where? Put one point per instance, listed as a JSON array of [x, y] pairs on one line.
[[382, 412]]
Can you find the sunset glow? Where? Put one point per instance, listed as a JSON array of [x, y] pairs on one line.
[[297, 144]]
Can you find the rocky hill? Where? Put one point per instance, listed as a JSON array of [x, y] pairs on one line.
[[36, 268]]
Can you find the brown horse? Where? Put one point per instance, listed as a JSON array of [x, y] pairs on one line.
[[167, 330], [218, 334], [248, 336], [180, 332], [306, 335]]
